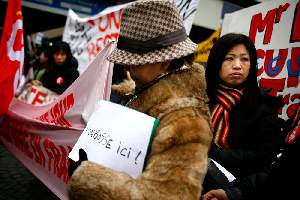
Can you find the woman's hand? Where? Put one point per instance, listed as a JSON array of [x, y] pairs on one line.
[[36, 83], [33, 83], [218, 194]]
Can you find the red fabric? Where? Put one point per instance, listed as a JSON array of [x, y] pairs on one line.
[[11, 53]]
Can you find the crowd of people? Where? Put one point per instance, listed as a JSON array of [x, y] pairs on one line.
[[55, 67], [208, 115]]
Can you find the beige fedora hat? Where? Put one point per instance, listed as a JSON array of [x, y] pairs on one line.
[[151, 31]]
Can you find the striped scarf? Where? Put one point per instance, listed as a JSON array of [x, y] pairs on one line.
[[227, 98]]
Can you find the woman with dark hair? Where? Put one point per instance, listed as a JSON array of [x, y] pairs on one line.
[[63, 68], [216, 59], [247, 133]]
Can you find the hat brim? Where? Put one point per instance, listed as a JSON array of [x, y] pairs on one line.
[[171, 52]]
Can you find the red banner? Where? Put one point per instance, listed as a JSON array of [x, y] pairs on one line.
[[11, 54]]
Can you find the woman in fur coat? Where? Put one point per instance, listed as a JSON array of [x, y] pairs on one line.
[[153, 46]]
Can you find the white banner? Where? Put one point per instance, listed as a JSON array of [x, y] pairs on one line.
[[274, 27], [88, 36], [117, 137], [41, 137], [37, 95]]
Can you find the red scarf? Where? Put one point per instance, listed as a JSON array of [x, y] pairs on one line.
[[227, 98]]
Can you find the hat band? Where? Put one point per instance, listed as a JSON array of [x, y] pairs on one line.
[[138, 46]]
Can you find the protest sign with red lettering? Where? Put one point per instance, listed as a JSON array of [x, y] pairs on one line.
[[37, 95], [274, 27], [41, 137], [88, 36]]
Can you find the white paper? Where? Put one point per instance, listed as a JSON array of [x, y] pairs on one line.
[[228, 175], [116, 137]]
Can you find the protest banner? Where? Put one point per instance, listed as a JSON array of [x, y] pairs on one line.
[[11, 54], [122, 141], [41, 137], [274, 27], [187, 10], [87, 36], [37, 95]]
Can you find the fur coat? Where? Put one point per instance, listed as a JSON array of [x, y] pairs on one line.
[[177, 163]]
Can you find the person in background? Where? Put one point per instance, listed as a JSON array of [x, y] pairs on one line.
[[38, 67], [63, 68], [154, 47], [42, 63], [247, 131]]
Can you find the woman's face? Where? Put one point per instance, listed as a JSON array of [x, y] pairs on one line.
[[235, 67], [143, 74], [59, 57]]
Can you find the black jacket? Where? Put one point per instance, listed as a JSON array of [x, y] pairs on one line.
[[59, 78], [280, 180], [254, 137], [283, 179]]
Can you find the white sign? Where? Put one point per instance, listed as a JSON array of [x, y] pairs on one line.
[[187, 10], [88, 36], [274, 27], [37, 95], [117, 137]]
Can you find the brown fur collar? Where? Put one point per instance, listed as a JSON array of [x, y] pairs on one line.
[[185, 87]]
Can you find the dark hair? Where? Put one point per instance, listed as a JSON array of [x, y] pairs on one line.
[[216, 58], [62, 46], [45, 49]]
